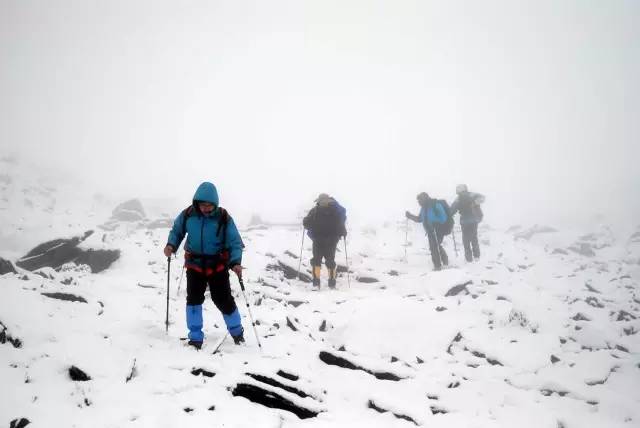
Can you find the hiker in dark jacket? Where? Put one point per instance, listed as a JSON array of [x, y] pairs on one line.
[[468, 205], [325, 224], [213, 247], [432, 215]]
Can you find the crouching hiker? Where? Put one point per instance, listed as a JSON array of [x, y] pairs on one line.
[[436, 220], [213, 246]]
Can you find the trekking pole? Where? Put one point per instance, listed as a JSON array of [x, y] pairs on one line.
[[346, 259], [180, 282], [453, 236], [166, 321], [249, 310], [406, 239], [300, 260]]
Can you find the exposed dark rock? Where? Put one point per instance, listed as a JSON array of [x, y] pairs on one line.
[[625, 316], [440, 308], [131, 210], [296, 303], [6, 267], [393, 273], [188, 410], [275, 383], [560, 251], [288, 271], [291, 325], [341, 268], [66, 297], [554, 359], [60, 251], [583, 248], [456, 339], [271, 399], [366, 279], [203, 372], [460, 288], [6, 337], [290, 254], [502, 298], [453, 385], [435, 410], [548, 392], [419, 360], [132, 373], [378, 409], [78, 375], [580, 317], [490, 282], [590, 288], [593, 301], [622, 348], [335, 360], [212, 408], [19, 423], [323, 326], [286, 375]]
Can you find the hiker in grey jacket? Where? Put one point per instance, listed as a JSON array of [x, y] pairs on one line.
[[468, 205]]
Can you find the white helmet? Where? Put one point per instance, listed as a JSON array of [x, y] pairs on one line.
[[461, 188]]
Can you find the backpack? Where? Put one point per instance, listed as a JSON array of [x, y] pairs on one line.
[[470, 208], [446, 227]]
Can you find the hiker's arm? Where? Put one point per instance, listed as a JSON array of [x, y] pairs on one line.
[[176, 234], [412, 217], [235, 244]]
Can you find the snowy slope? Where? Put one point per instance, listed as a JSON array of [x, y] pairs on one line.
[[533, 335]]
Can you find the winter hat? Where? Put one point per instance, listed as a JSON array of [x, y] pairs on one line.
[[423, 196], [461, 188], [323, 199]]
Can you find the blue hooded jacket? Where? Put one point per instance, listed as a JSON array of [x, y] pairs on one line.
[[201, 230]]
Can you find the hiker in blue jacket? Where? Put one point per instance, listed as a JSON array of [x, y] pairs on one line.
[[432, 215], [213, 247], [468, 205]]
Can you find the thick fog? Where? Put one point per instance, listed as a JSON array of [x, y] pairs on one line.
[[534, 104]]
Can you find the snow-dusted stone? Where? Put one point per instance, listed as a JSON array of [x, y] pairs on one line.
[[583, 248], [161, 223], [56, 253], [131, 210], [535, 230], [6, 267]]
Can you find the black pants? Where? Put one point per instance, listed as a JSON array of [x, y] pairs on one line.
[[324, 247], [470, 241], [219, 288], [438, 254]]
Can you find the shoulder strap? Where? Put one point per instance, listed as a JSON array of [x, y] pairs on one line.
[[224, 220], [186, 213]]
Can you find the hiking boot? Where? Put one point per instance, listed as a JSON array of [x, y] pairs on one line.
[[238, 339], [196, 344], [316, 282], [332, 283]]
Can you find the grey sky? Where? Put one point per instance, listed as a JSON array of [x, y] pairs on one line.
[[536, 104]]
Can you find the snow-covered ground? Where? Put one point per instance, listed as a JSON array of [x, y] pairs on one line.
[[538, 333]]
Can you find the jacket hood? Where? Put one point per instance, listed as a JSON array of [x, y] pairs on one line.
[[207, 192]]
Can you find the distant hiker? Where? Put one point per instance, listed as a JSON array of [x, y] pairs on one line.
[[437, 224], [325, 224], [213, 247], [468, 205]]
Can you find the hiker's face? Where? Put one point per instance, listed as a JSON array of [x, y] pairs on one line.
[[206, 208]]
